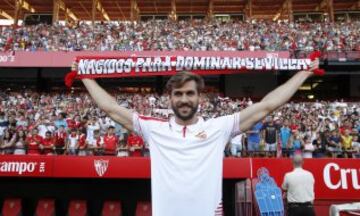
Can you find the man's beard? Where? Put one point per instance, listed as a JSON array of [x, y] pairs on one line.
[[189, 115]]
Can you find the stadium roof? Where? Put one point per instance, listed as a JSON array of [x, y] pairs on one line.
[[123, 9]]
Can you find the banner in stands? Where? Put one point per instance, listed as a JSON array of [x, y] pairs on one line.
[[65, 59], [26, 166], [335, 179]]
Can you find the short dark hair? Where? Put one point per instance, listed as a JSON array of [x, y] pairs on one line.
[[179, 79]]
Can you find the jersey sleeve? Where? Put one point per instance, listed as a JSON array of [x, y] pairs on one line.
[[141, 126], [230, 124]]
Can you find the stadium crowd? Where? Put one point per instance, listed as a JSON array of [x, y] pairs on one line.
[[198, 34], [69, 123]]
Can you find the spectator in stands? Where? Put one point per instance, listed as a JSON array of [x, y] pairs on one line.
[[356, 146], [123, 150], [270, 134], [33, 142], [72, 143], [296, 143], [111, 142], [61, 121], [21, 120], [334, 144], [4, 123], [304, 115], [104, 124], [191, 34], [119, 130], [91, 126], [82, 145], [7, 142], [285, 134], [346, 143], [357, 127], [95, 144], [237, 145], [44, 126], [320, 147], [135, 144], [20, 145], [299, 188], [308, 147], [253, 139], [48, 144], [60, 139]]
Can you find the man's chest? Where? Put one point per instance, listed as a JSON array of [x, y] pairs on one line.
[[185, 138]]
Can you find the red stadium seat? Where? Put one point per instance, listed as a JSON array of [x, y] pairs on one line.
[[143, 209], [11, 207], [45, 207], [77, 208], [111, 208]]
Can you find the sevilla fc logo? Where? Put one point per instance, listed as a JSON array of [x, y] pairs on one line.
[[101, 166]]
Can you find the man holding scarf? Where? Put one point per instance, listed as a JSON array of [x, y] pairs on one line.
[[186, 150]]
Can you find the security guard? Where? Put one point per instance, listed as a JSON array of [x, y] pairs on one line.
[[299, 186]]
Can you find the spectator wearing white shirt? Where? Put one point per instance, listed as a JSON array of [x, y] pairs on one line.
[[308, 148], [104, 123], [4, 123], [91, 126], [236, 145], [44, 127]]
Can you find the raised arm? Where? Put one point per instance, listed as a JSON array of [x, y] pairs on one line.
[[274, 99], [108, 104]]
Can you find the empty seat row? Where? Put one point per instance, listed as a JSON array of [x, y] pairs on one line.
[[46, 207]]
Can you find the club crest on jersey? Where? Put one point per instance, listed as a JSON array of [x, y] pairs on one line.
[[101, 166], [202, 135]]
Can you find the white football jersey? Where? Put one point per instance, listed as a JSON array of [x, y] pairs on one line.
[[186, 163]]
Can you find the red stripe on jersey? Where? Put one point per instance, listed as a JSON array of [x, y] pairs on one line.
[[152, 118]]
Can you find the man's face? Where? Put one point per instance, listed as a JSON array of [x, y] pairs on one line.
[[286, 123], [270, 120], [185, 101], [111, 131], [34, 132], [47, 135]]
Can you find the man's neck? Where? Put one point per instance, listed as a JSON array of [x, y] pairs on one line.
[[186, 122]]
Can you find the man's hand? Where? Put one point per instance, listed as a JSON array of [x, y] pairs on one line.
[[314, 68], [74, 66], [314, 65]]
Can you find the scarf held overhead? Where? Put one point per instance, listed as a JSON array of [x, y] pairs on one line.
[[113, 67]]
